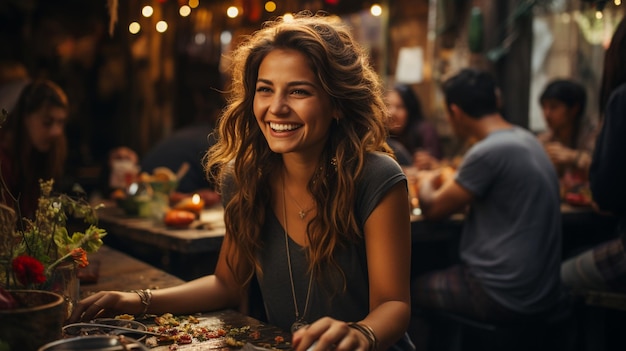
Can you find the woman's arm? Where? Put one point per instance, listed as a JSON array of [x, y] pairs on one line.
[[388, 248], [217, 291], [388, 245]]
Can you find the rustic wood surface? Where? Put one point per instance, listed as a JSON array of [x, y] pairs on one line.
[[118, 271]]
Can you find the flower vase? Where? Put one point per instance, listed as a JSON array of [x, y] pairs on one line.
[[64, 281], [38, 320]]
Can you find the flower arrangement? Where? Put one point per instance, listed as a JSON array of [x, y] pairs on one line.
[[31, 250]]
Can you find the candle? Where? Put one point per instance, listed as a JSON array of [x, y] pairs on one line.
[[194, 204]]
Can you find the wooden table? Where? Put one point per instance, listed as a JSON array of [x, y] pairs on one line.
[[186, 253], [119, 271]]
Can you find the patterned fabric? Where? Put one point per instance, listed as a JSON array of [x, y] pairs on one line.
[[456, 290], [610, 260]]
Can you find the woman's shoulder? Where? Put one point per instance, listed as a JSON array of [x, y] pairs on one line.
[[377, 159]]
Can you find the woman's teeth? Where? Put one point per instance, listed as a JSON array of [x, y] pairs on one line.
[[284, 127]]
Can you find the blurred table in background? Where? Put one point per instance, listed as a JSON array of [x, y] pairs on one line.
[[186, 253], [190, 253]]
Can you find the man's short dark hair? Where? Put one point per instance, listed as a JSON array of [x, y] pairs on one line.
[[473, 91]]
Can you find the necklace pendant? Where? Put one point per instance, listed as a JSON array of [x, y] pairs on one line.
[[300, 323], [302, 214]]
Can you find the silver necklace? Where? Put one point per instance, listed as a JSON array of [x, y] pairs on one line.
[[300, 322], [303, 212]]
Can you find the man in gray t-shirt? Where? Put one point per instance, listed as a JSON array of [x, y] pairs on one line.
[[510, 248]]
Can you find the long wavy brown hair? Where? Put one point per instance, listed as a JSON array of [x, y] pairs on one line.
[[31, 165], [242, 152]]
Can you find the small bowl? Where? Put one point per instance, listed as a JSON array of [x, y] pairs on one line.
[[164, 187]]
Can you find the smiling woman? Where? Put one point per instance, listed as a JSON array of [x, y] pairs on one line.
[[315, 206]]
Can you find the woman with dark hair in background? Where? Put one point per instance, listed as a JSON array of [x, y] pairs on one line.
[[410, 129], [604, 267], [570, 138], [33, 144]]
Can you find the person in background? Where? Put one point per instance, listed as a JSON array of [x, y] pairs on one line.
[[13, 78], [33, 145], [570, 138], [604, 266], [409, 130], [315, 205], [510, 247]]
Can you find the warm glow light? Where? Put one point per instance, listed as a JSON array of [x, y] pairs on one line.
[[134, 28], [184, 11], [194, 3], [599, 14], [270, 6], [288, 17], [195, 199], [226, 37], [376, 10], [199, 39], [161, 26], [232, 12], [147, 11], [618, 2]]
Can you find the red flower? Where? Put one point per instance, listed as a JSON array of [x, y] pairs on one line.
[[80, 257], [28, 270]]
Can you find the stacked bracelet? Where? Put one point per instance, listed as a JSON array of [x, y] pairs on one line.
[[368, 332], [146, 298]]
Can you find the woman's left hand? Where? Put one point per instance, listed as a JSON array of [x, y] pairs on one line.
[[329, 334]]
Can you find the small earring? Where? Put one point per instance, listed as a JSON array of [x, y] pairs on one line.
[[333, 162]]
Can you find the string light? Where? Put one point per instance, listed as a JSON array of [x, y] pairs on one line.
[[147, 11], [270, 6], [134, 27], [184, 11], [376, 10], [161, 26], [232, 12], [194, 3], [599, 15]]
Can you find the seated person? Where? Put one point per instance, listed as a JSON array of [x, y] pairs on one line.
[[510, 247], [570, 138], [33, 145], [410, 133]]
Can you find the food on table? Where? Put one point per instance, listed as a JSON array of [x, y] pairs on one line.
[[184, 330], [178, 218]]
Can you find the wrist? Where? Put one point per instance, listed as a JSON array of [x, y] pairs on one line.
[[145, 297], [368, 332]]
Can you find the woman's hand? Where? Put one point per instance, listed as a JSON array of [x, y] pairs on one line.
[[423, 160], [329, 334], [106, 304], [561, 155]]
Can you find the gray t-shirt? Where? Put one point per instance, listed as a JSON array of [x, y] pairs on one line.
[[512, 236], [327, 298]]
